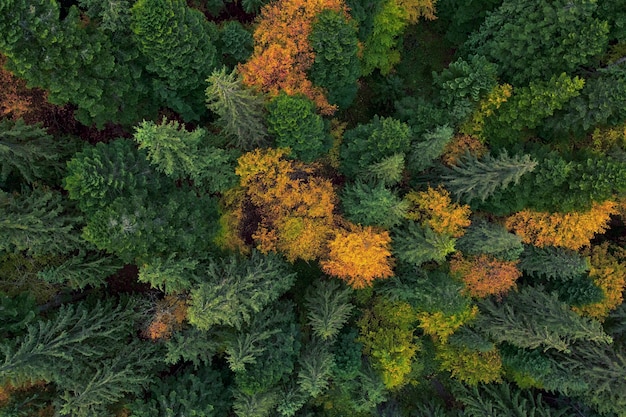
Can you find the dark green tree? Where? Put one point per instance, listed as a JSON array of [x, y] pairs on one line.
[[235, 43], [15, 313], [329, 308], [241, 113], [373, 205], [416, 244], [236, 288], [294, 124], [316, 366], [530, 41], [178, 44], [491, 238], [84, 269], [169, 274], [552, 263], [425, 151], [336, 67]]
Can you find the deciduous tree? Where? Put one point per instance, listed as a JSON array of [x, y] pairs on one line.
[[434, 208], [484, 275]]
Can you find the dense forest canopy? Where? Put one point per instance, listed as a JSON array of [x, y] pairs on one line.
[[312, 208]]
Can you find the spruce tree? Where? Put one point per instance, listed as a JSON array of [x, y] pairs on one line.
[[490, 238], [84, 269], [424, 152], [373, 205], [416, 244], [553, 263], [316, 365], [329, 308]]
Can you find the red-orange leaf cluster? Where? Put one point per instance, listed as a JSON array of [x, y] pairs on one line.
[[483, 275], [169, 315]]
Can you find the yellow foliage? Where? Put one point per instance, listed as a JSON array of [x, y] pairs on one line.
[[606, 138], [470, 366], [435, 208], [415, 9], [440, 326], [486, 107], [359, 255], [568, 230], [608, 271]]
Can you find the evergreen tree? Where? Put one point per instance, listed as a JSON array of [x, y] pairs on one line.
[[240, 111], [553, 263], [532, 318], [490, 238], [254, 405], [237, 288], [388, 171], [177, 42], [316, 365], [373, 205], [424, 152], [474, 178], [15, 313], [170, 275], [235, 44], [416, 244], [82, 270], [38, 221], [336, 67], [329, 308]]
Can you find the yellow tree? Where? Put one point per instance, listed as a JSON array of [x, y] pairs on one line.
[[435, 208]]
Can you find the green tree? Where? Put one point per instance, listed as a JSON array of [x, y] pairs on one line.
[[178, 44], [170, 275], [241, 113], [490, 238], [425, 151], [180, 154], [83, 270], [472, 178], [388, 171], [329, 308], [532, 319], [416, 244], [254, 405], [235, 43], [553, 263], [373, 205], [15, 313], [236, 288], [336, 67], [371, 143], [316, 366], [38, 221], [530, 41], [294, 124]]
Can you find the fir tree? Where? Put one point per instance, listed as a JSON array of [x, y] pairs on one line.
[[424, 152], [373, 205], [316, 365], [388, 171], [490, 238], [553, 263], [170, 275], [329, 308], [416, 244], [83, 270]]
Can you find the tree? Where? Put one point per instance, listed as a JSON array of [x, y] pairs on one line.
[[416, 244], [329, 308], [180, 154], [336, 67], [373, 205], [359, 255], [534, 319], [386, 331], [434, 208], [83, 270], [168, 316], [470, 366], [440, 326], [316, 366], [483, 237], [235, 44], [567, 230], [553, 262], [423, 153], [472, 178], [178, 44], [295, 125], [388, 171], [512, 35], [484, 275], [169, 274], [240, 112], [237, 288]]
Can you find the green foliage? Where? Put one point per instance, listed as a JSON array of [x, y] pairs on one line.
[[112, 16], [466, 80], [373, 205], [371, 143], [82, 270], [533, 40], [99, 174], [235, 43], [16, 312], [336, 67], [553, 263], [490, 238], [425, 151], [416, 244], [294, 124], [170, 275], [316, 365], [180, 154], [236, 288], [329, 308], [253, 6], [241, 113], [177, 43], [387, 172], [532, 318], [461, 18], [38, 221], [29, 152], [254, 405], [199, 392], [474, 178], [192, 345]]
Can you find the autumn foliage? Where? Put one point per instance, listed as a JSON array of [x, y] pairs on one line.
[[568, 230], [440, 326], [484, 275], [359, 255], [435, 208], [282, 51], [459, 146], [470, 366], [169, 315]]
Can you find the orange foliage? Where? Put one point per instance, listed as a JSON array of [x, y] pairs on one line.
[[459, 145], [359, 255], [484, 275], [608, 271], [568, 230], [169, 315], [295, 206], [282, 52], [434, 208]]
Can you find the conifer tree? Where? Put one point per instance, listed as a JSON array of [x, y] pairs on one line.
[[483, 237], [388, 171], [472, 178], [316, 365], [329, 308], [552, 262], [424, 152], [170, 275], [240, 111], [416, 244], [373, 205], [84, 269]]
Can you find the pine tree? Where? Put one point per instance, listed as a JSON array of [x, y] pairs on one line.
[[490, 238], [416, 244], [240, 111], [237, 288], [178, 44], [329, 308], [373, 205], [474, 178]]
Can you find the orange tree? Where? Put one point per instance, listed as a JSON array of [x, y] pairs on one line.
[[484, 275]]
